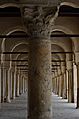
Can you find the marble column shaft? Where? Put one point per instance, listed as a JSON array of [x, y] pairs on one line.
[[78, 85], [57, 85], [23, 84], [70, 86], [60, 86], [8, 85], [20, 87], [11, 83], [3, 84], [17, 90], [40, 80], [65, 86], [14, 85], [0, 84]]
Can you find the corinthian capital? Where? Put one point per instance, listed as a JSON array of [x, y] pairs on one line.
[[37, 20]]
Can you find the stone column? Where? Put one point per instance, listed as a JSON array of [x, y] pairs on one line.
[[59, 82], [26, 83], [54, 85], [40, 81], [8, 85], [53, 81], [20, 84], [14, 85], [11, 83], [70, 86], [67, 82], [65, 86], [23, 84], [60, 78], [15, 77], [61, 85], [57, 85], [0, 84], [17, 90], [70, 82], [78, 85], [56, 82], [77, 64], [3, 84], [75, 81], [63, 69]]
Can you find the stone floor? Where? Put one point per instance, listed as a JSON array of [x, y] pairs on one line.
[[64, 110], [14, 110], [17, 109]]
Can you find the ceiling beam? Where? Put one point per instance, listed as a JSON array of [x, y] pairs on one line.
[[17, 60], [64, 35], [22, 65], [27, 60], [14, 36], [26, 52], [56, 65], [52, 35], [14, 52], [61, 52], [23, 69], [54, 68], [58, 60]]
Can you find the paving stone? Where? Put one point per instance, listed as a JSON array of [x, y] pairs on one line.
[[17, 109], [64, 110]]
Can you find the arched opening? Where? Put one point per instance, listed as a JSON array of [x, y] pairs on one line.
[[37, 58], [67, 44]]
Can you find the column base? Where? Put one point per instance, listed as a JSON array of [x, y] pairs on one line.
[[77, 107], [77, 98], [41, 116], [13, 97], [64, 96], [8, 100], [70, 101], [2, 100], [23, 92], [17, 95]]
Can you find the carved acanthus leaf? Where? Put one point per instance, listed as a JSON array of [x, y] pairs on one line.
[[37, 20]]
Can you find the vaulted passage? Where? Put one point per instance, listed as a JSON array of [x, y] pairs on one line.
[[39, 59]]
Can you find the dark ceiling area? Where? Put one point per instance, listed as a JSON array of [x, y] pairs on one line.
[[10, 12], [68, 11]]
